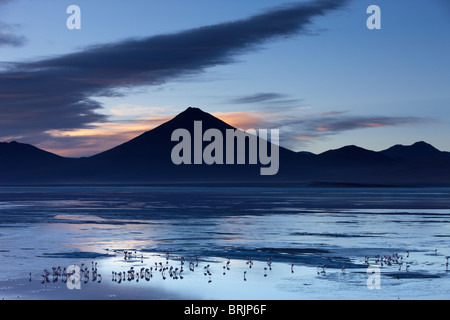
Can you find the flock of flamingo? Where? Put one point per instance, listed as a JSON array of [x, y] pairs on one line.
[[167, 269], [66, 274]]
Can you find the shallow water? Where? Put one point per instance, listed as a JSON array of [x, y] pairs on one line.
[[45, 227]]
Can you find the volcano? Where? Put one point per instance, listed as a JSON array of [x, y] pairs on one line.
[[146, 159]]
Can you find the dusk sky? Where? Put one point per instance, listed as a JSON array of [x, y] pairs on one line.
[[309, 68]]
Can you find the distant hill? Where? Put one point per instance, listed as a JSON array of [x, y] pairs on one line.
[[353, 155], [146, 159], [24, 162], [14, 153], [417, 150]]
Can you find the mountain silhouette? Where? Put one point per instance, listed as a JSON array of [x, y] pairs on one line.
[[24, 162], [14, 153], [146, 159], [419, 149], [353, 155], [148, 156]]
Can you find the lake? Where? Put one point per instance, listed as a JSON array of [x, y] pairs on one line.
[[246, 243]]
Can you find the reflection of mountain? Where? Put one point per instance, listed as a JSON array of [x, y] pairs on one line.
[[147, 159]]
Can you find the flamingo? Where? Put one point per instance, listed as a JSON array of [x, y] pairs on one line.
[[181, 270], [45, 278], [323, 269], [209, 276], [227, 266]]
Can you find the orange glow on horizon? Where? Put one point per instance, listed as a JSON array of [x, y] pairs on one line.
[[322, 128], [305, 137], [373, 124], [103, 136], [246, 120]]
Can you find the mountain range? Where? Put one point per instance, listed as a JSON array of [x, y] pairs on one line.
[[146, 159]]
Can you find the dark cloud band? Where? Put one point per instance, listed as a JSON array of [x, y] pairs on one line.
[[54, 93]]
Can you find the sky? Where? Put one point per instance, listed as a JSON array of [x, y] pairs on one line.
[[312, 69]]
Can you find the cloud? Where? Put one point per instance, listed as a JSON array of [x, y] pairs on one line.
[[258, 98], [331, 124], [269, 101], [56, 93], [301, 129], [7, 37]]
